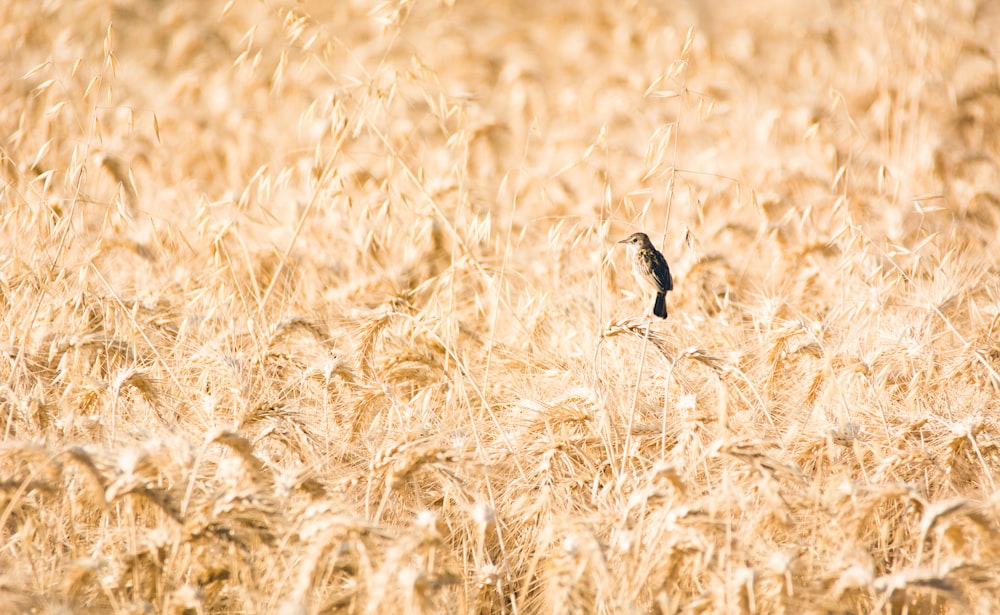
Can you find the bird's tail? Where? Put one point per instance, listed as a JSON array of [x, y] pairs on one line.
[[660, 307]]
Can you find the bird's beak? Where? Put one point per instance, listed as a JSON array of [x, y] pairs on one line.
[[623, 241]]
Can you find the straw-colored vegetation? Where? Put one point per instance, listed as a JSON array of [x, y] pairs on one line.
[[316, 307]]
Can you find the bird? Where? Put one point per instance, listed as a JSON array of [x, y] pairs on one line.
[[651, 268]]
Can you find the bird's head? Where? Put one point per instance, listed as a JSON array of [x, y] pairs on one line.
[[636, 239]]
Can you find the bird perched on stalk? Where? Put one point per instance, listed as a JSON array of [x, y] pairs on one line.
[[651, 268]]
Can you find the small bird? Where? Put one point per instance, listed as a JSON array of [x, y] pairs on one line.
[[650, 267]]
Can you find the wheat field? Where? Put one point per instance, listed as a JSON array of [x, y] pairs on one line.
[[317, 307]]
